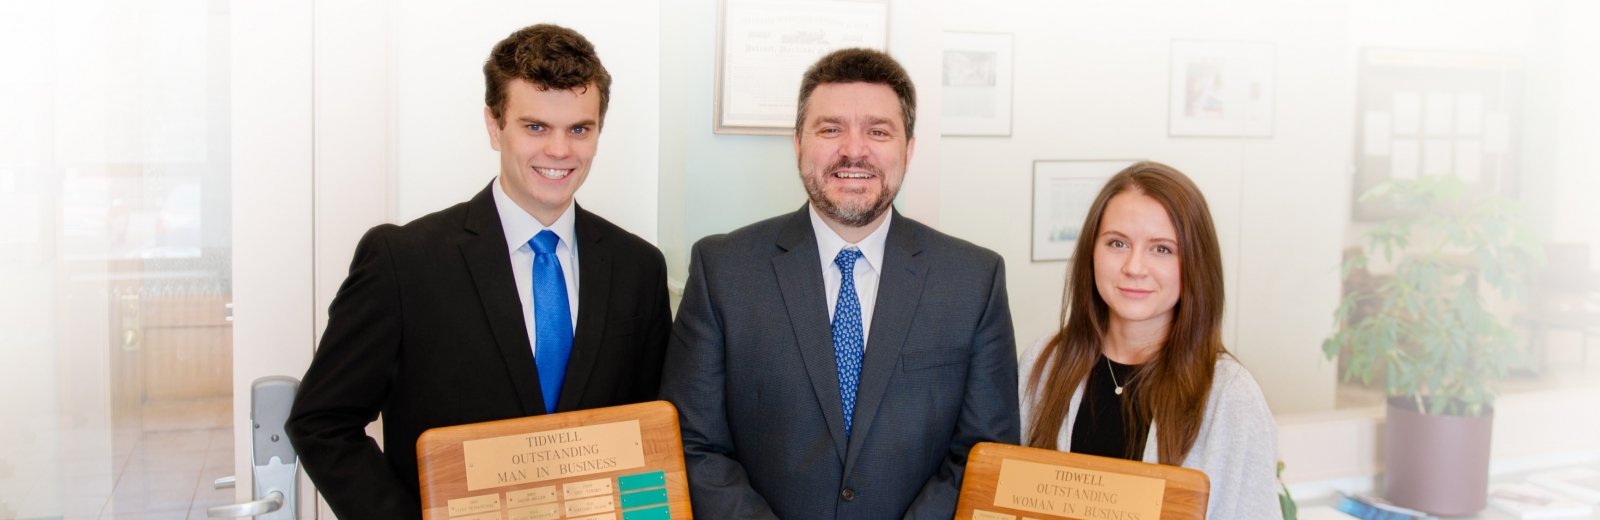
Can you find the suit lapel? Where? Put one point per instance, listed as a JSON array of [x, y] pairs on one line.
[[799, 273], [594, 287], [483, 247], [899, 292]]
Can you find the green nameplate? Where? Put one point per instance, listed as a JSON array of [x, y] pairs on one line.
[[644, 498], [649, 480], [654, 513]]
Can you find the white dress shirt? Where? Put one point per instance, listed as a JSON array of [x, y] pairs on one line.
[[867, 267], [520, 227]]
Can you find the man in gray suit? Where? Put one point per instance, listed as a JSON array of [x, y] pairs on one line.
[[841, 360]]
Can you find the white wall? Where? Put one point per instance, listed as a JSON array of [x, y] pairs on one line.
[[1573, 78], [711, 183], [1091, 82], [441, 154], [36, 288]]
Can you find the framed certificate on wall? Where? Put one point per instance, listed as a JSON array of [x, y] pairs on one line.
[[1221, 89], [977, 84], [765, 46], [1062, 194]]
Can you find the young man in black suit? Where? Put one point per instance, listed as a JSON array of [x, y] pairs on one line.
[[515, 303]]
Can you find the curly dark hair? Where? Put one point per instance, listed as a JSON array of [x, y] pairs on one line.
[[549, 56], [864, 66]]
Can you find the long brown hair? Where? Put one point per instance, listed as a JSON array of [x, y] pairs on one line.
[[1173, 385]]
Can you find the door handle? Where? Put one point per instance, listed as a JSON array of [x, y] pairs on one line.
[[273, 502], [274, 466]]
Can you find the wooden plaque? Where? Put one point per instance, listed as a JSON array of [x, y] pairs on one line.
[[1005, 482], [617, 463]]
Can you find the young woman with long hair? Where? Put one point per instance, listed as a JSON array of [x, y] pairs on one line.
[[1138, 370]]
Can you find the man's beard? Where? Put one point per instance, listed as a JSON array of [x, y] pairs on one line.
[[849, 214]]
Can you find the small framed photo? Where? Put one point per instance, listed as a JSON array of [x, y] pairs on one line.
[[977, 84], [1222, 89], [1062, 194], [765, 46]]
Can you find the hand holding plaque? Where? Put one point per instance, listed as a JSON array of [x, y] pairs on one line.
[[622, 462], [1005, 482]]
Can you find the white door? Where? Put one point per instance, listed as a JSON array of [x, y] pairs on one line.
[[273, 136]]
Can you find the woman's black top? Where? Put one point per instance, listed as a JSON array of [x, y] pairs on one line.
[[1101, 429]]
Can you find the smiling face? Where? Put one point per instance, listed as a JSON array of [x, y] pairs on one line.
[[546, 145], [853, 149], [1136, 261]]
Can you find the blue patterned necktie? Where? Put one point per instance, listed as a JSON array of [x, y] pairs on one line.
[[552, 318], [848, 345]]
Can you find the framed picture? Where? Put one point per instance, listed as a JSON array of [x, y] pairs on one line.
[[1062, 193], [764, 46], [1435, 113], [977, 84], [1221, 89]]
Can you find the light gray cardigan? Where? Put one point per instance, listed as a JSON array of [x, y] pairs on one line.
[[1237, 446]]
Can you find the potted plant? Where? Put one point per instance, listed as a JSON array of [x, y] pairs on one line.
[[1429, 331]]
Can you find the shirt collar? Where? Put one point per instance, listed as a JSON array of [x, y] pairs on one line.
[[521, 227], [829, 243]]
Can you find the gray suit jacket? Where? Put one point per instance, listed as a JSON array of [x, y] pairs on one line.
[[751, 368]]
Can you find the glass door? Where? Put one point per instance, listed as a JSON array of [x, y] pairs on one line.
[[115, 259]]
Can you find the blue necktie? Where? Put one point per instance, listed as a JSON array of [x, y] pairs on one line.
[[552, 318], [848, 345]]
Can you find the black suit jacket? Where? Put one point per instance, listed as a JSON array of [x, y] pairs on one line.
[[752, 371], [427, 329]]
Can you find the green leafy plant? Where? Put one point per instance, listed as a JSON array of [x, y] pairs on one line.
[[1285, 500], [1426, 326]]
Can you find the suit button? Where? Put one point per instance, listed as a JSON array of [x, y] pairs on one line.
[[847, 495]]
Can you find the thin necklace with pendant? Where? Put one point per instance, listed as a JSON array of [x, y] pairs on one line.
[[1113, 376]]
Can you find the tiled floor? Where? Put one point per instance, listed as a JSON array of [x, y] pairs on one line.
[[170, 465]]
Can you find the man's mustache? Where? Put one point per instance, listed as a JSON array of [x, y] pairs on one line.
[[854, 164]]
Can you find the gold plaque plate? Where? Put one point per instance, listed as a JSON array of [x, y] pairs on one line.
[[617, 462], [1005, 482]]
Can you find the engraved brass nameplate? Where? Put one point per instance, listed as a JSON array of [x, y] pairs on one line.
[[1077, 492], [474, 505], [552, 454]]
